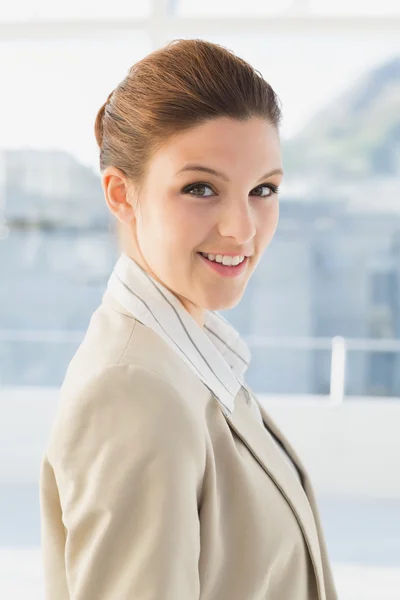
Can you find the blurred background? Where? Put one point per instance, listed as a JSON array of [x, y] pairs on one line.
[[322, 312]]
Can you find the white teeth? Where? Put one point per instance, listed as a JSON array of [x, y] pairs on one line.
[[225, 260]]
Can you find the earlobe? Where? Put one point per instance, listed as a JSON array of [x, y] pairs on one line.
[[126, 213]]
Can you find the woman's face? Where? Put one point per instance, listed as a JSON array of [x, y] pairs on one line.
[[186, 212]]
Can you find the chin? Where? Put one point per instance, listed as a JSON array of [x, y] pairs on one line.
[[223, 303]]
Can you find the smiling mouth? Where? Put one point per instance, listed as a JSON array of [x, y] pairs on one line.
[[225, 270], [227, 260]]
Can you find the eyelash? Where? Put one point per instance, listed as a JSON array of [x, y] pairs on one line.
[[274, 189]]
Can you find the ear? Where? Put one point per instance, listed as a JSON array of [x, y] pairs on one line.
[[116, 187]]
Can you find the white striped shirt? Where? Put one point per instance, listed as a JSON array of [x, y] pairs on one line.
[[216, 353]]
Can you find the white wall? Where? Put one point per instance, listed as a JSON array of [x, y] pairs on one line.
[[25, 419], [352, 449]]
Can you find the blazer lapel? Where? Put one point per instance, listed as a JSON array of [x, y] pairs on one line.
[[266, 452]]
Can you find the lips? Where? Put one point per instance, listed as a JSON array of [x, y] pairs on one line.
[[225, 270]]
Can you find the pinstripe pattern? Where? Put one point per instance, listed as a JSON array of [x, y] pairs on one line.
[[216, 353]]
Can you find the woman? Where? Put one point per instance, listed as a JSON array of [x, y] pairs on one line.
[[164, 478]]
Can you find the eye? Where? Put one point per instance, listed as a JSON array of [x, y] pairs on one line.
[[194, 186], [273, 189]]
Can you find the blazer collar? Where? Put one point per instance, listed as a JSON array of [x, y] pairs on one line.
[[216, 353], [300, 498]]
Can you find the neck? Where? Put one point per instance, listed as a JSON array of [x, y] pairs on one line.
[[197, 313]]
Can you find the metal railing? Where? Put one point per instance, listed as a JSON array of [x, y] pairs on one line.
[[338, 347]]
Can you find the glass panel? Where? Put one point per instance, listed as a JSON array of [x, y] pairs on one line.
[[56, 247], [289, 371], [354, 7], [322, 249], [55, 89], [311, 70], [373, 374], [28, 10], [226, 8], [40, 363]]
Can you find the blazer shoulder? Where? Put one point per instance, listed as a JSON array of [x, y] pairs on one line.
[[118, 398], [115, 337], [123, 366]]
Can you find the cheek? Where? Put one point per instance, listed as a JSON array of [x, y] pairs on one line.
[[176, 226], [268, 222], [189, 224]]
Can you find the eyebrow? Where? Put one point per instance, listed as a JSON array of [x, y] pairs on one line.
[[193, 167]]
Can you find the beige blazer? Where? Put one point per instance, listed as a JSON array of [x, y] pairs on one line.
[[148, 492]]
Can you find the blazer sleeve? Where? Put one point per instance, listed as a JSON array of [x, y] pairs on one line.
[[128, 459]]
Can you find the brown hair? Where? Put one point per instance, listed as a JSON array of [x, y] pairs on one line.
[[171, 90]]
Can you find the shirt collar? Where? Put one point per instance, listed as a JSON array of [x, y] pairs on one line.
[[216, 353]]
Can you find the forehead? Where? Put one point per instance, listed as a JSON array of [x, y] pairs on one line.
[[224, 143]]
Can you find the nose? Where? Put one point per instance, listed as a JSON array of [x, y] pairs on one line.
[[237, 221]]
